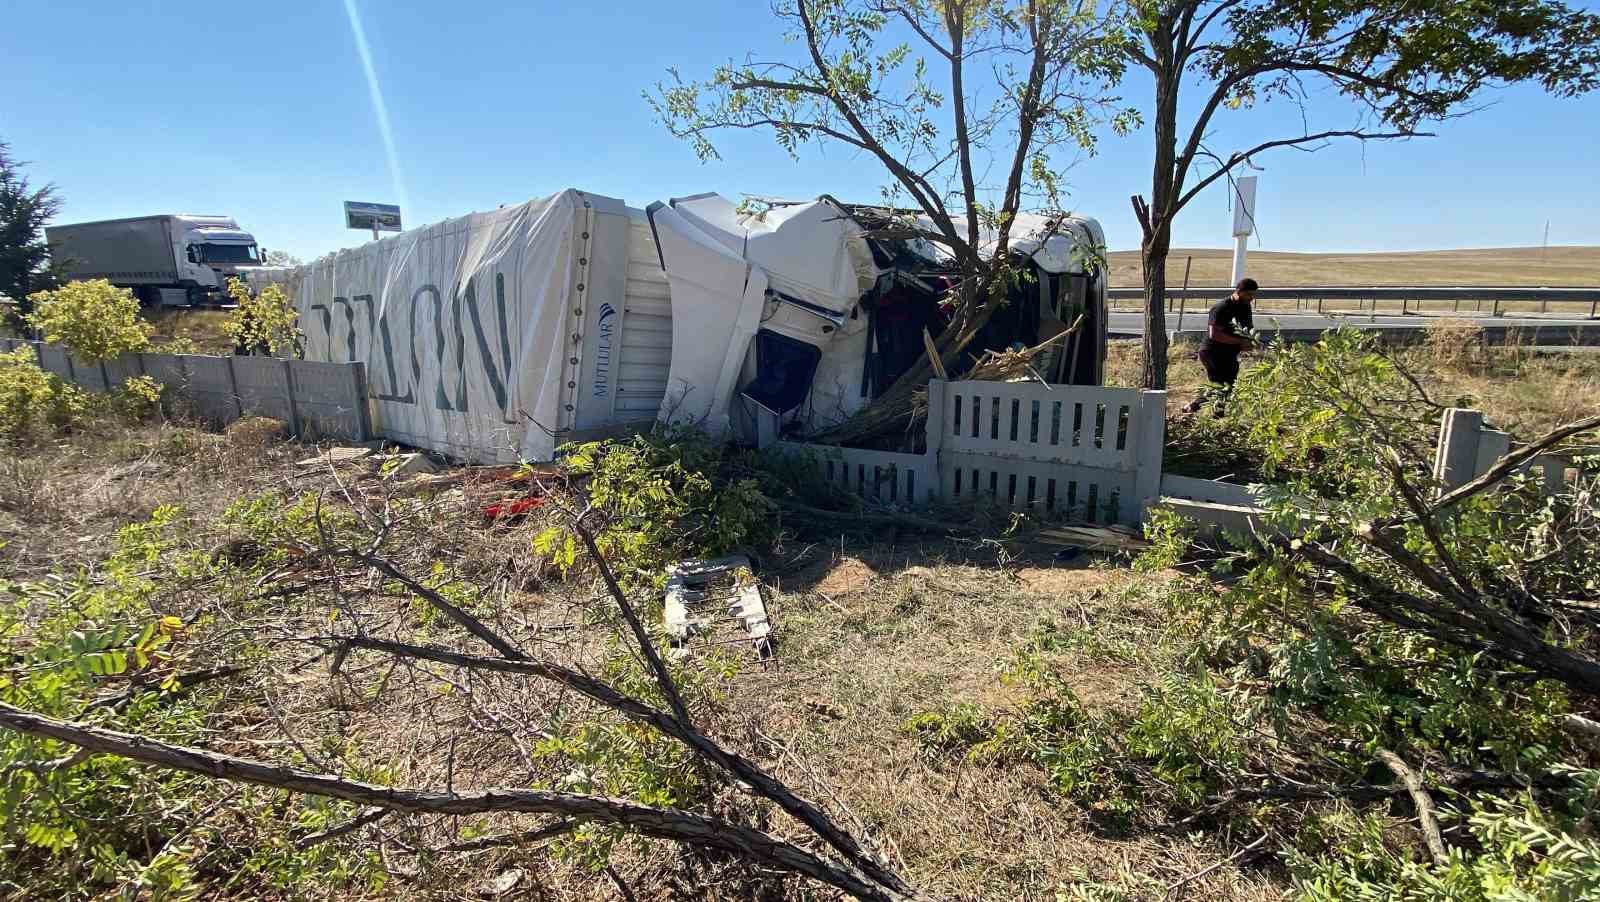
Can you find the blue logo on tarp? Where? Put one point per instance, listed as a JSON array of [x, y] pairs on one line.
[[602, 355]]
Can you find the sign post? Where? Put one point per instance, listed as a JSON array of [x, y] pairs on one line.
[[1244, 221], [377, 217]]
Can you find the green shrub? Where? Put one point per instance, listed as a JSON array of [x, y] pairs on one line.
[[93, 319], [264, 323], [665, 496], [1525, 849], [32, 400]]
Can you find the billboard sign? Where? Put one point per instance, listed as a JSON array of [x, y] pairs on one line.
[[376, 217]]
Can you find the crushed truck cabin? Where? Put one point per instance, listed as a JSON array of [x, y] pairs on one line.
[[497, 336]]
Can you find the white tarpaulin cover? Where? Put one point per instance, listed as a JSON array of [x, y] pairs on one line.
[[464, 326]]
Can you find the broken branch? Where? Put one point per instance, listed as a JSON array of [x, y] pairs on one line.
[[644, 820]]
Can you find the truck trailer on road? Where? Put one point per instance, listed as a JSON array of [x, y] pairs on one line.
[[195, 255]]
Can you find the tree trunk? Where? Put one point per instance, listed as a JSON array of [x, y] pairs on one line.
[[1154, 258], [1156, 220]]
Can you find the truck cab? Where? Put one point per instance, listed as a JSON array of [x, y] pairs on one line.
[[214, 248]]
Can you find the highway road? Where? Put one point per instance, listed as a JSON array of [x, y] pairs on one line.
[[1303, 326]]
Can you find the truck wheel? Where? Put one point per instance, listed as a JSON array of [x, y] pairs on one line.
[[197, 296], [149, 296]]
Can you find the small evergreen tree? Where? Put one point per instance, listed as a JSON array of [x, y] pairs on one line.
[[25, 264]]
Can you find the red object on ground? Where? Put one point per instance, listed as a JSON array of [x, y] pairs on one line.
[[515, 507]]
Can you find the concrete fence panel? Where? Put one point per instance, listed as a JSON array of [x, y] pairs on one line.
[[53, 359], [263, 385], [1056, 451], [121, 369], [330, 398], [210, 388], [885, 477], [167, 369], [89, 376], [316, 400]]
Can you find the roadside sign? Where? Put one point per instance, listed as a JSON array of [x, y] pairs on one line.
[[377, 217], [1244, 206]]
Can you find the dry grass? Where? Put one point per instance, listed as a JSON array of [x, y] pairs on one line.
[[869, 635], [195, 331], [872, 636], [1530, 266], [1523, 391]]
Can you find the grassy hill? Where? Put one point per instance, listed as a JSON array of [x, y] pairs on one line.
[[1551, 267]]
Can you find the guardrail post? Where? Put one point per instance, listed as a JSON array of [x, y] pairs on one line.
[[1496, 307], [1592, 304]]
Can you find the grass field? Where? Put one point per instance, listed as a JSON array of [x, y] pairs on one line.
[[1508, 266]]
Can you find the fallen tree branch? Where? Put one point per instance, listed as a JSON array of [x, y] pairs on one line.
[[1426, 819], [182, 681], [520, 838], [1455, 781], [370, 816], [1176, 888], [742, 769], [658, 668], [644, 820]]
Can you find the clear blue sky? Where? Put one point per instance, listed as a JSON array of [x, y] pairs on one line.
[[263, 111]]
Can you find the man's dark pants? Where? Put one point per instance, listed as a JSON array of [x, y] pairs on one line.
[[1222, 369]]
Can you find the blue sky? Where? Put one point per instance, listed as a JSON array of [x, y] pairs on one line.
[[263, 111]]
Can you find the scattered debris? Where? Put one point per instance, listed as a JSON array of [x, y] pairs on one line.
[[1094, 537], [504, 883], [701, 594], [407, 464], [335, 456], [513, 508]]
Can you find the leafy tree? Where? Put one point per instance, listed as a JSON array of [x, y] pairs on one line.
[[266, 323], [25, 265], [1402, 63], [93, 319], [281, 258], [964, 104]]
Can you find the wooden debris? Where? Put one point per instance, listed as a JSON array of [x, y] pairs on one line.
[[1094, 537], [335, 456]]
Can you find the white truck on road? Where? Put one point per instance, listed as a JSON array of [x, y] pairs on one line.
[[195, 255]]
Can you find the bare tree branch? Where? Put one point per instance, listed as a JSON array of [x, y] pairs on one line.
[[644, 820]]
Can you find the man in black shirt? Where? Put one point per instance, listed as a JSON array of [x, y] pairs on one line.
[[1220, 351]]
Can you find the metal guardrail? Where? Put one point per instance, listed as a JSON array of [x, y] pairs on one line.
[[1403, 300]]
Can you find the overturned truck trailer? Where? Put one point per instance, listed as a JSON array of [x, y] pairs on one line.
[[498, 336]]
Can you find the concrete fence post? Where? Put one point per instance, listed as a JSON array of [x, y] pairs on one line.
[[938, 401], [233, 391], [1151, 434], [1456, 460], [294, 405]]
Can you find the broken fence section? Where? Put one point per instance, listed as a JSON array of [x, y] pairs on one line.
[[1087, 453], [314, 399], [1466, 450]]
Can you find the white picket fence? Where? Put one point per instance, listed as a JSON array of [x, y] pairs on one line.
[[1063, 451]]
